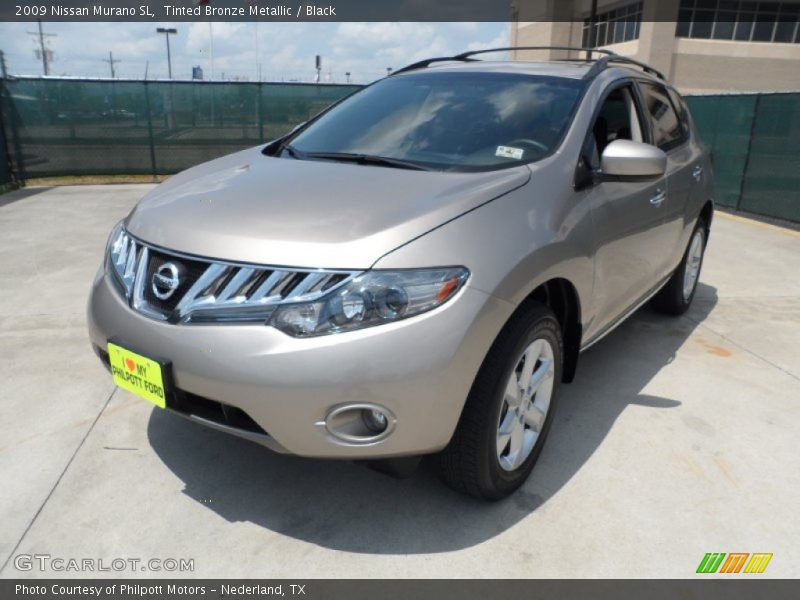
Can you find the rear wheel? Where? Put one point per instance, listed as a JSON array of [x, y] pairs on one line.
[[509, 409], [676, 296]]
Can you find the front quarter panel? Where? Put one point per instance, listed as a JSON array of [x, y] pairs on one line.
[[516, 242]]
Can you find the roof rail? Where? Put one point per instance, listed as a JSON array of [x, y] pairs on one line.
[[467, 56], [588, 51], [428, 61], [598, 65], [602, 63]]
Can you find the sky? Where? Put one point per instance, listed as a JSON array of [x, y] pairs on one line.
[[286, 51]]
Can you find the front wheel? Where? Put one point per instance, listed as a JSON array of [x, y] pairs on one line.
[[509, 409], [676, 296]]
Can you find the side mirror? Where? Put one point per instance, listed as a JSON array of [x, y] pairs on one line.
[[632, 160]]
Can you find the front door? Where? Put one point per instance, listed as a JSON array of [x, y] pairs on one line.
[[628, 217]]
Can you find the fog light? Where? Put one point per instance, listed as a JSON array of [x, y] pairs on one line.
[[359, 423], [375, 420]]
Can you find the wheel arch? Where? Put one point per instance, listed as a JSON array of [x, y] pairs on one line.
[[560, 296], [707, 214]]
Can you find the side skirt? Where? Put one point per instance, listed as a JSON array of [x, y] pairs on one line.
[[636, 306]]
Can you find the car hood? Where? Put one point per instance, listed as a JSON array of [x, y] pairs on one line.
[[248, 207]]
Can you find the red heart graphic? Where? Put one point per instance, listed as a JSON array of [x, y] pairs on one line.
[[130, 364]]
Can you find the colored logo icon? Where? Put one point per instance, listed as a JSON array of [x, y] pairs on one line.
[[734, 562]]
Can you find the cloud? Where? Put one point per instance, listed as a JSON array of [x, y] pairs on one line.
[[286, 51], [501, 40]]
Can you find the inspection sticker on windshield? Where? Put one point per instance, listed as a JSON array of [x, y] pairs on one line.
[[509, 152], [138, 374]]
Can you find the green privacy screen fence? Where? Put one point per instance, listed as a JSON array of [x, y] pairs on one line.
[[98, 127], [5, 161], [755, 139]]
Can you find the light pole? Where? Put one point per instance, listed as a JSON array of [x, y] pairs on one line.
[[167, 31]]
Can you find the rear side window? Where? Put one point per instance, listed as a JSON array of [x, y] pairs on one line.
[[683, 111], [667, 128]]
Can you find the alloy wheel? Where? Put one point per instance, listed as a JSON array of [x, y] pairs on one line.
[[526, 403]]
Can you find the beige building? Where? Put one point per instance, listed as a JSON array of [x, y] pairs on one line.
[[699, 45]]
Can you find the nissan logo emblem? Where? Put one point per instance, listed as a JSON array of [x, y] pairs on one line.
[[165, 281]]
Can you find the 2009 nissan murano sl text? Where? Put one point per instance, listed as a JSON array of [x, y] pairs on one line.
[[416, 269]]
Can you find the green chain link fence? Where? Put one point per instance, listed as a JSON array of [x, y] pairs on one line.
[[81, 127]]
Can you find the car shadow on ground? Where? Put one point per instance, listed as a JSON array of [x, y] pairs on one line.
[[345, 506], [21, 194]]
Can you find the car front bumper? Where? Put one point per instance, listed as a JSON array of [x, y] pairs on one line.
[[420, 369]]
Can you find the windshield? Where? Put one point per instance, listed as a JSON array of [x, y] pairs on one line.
[[451, 121]]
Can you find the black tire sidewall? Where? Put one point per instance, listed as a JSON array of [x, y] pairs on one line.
[[688, 301]]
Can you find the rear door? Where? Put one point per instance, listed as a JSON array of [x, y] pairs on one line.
[[671, 134]]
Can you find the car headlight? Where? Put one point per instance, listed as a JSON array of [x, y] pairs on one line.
[[121, 252], [374, 298]]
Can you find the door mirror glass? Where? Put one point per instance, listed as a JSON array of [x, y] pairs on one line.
[[628, 159]]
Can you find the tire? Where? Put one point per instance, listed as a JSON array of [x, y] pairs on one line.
[[473, 463], [677, 295]]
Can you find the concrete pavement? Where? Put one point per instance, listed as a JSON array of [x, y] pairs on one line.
[[678, 437]]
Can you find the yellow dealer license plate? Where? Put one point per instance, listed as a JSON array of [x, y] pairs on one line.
[[138, 374]]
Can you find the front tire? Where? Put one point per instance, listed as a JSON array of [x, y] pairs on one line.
[[509, 409], [677, 295]]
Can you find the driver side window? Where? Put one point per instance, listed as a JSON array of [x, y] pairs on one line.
[[618, 119]]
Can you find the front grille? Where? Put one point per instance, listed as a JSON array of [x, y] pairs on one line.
[[191, 270], [209, 291]]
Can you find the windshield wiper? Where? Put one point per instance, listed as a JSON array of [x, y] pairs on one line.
[[289, 148], [366, 159]]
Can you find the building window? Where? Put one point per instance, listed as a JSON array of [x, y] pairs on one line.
[[739, 21], [614, 26]]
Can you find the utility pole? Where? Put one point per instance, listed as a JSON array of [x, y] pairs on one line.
[[318, 62], [258, 63], [211, 38], [111, 60], [592, 29], [46, 55], [167, 32]]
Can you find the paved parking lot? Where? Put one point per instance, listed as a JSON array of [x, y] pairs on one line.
[[679, 437]]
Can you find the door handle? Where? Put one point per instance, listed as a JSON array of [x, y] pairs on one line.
[[658, 197], [697, 172]]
